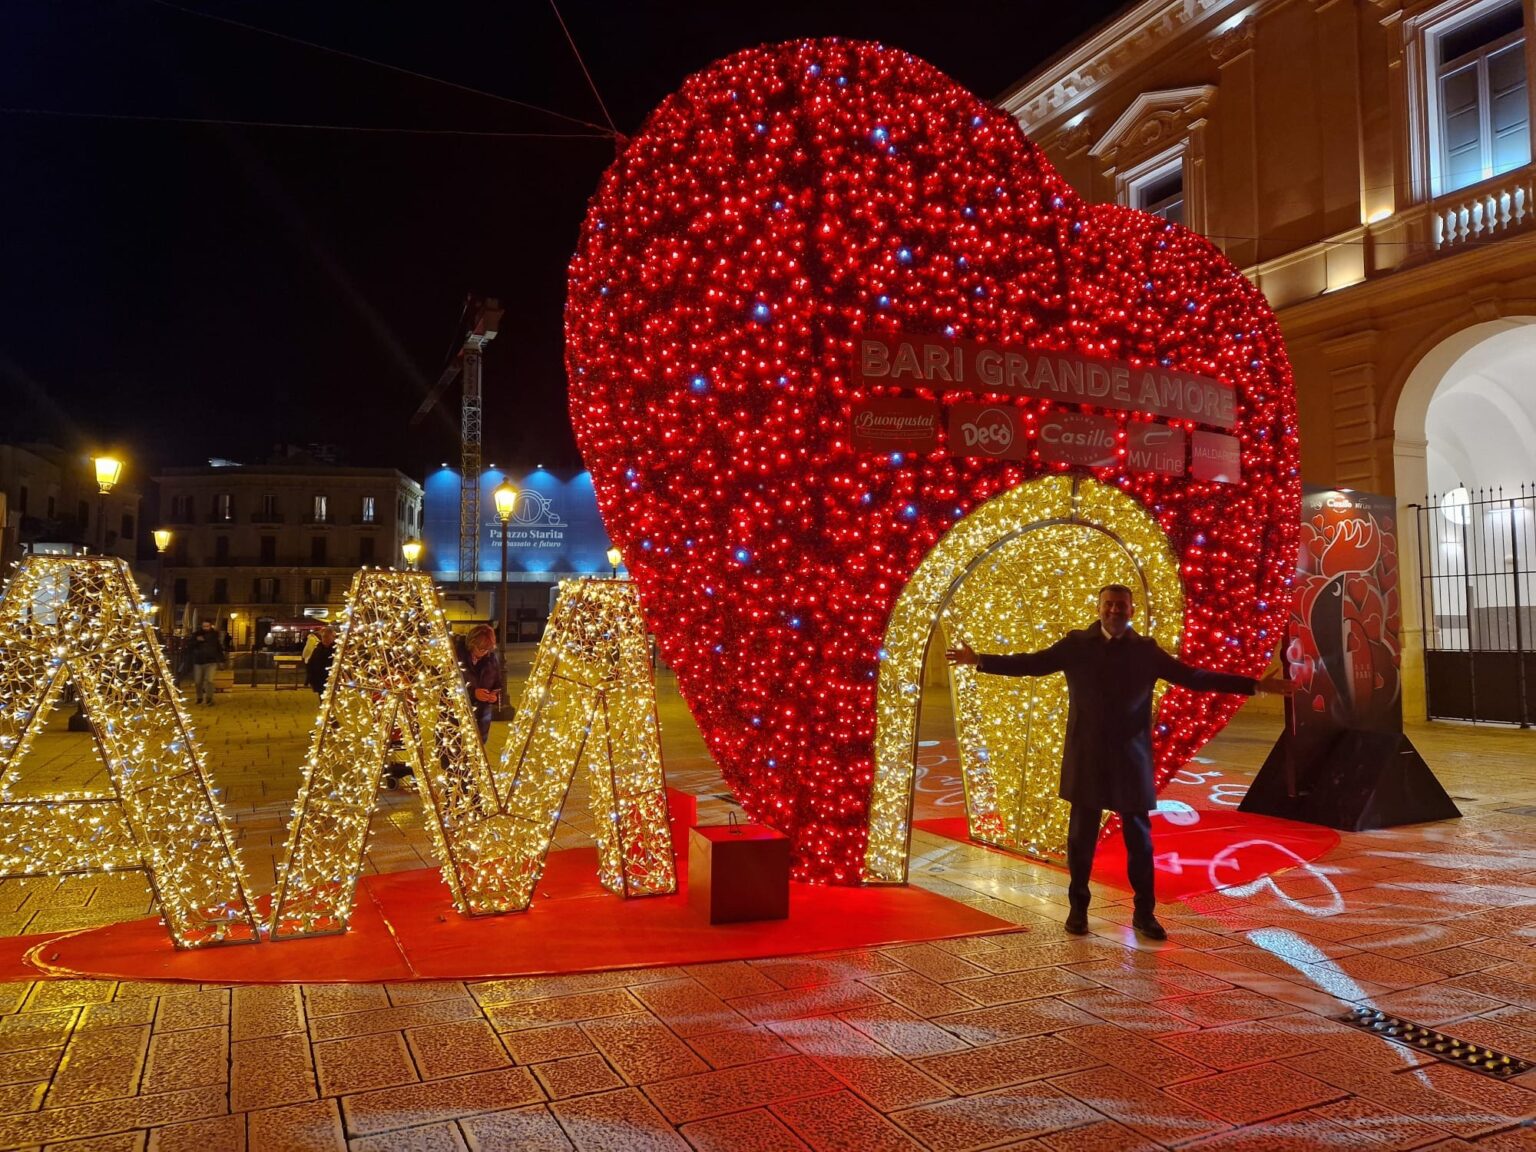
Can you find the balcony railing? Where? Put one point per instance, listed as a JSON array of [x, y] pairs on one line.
[[1484, 211]]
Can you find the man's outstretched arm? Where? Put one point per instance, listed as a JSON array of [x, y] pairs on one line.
[[1175, 671], [1043, 663]]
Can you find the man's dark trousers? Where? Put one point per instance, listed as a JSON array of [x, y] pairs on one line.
[[1083, 838]]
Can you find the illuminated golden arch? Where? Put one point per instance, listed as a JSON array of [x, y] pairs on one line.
[[1014, 575]]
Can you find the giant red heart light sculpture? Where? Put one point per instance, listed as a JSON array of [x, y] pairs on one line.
[[780, 204]]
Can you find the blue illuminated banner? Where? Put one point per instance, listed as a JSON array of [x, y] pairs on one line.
[[555, 529]]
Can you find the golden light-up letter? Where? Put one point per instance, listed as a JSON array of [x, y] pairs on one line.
[[77, 619], [590, 700], [1014, 576]]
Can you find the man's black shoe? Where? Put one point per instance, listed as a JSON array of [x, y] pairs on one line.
[[1077, 922], [1146, 925]]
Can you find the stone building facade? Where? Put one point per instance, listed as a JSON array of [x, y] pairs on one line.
[[1368, 164]]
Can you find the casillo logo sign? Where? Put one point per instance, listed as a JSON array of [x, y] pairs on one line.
[[887, 424], [967, 366], [987, 430], [1079, 438]]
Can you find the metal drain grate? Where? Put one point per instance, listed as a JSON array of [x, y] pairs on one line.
[[1442, 1046]]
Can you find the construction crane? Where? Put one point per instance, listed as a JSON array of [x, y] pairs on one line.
[[478, 324]]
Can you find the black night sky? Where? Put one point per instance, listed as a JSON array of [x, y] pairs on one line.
[[184, 290]]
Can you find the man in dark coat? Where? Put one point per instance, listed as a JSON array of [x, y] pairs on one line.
[[1107, 761], [207, 655], [317, 665]]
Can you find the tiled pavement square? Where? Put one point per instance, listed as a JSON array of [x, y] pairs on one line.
[[453, 1049], [1221, 1039], [528, 1129], [356, 1064], [1011, 1062], [991, 1118], [1255, 1093], [841, 1122], [576, 1076], [746, 1086], [758, 1130], [883, 1079], [617, 1121]]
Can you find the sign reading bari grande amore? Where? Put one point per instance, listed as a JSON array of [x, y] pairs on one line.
[[964, 365], [1075, 439]]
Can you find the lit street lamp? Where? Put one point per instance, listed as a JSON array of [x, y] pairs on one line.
[[506, 499], [162, 546], [615, 558], [109, 469], [411, 550]]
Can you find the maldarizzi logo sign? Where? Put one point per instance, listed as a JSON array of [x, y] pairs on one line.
[[1077, 438]]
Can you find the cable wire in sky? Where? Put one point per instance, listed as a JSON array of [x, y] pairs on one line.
[[391, 67], [571, 40], [600, 134]]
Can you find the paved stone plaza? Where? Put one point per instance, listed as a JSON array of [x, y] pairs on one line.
[[1221, 1038]]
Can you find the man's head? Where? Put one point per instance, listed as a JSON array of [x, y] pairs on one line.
[[327, 636], [481, 639], [207, 625], [1116, 607]]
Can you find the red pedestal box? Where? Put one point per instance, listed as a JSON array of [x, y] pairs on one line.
[[740, 872]]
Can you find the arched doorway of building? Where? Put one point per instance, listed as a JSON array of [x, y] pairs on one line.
[[1465, 472]]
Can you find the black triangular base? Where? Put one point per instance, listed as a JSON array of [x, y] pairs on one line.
[[1356, 781]]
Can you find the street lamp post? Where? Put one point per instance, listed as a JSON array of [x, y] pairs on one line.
[[506, 499], [108, 470], [162, 546], [615, 558], [411, 550]]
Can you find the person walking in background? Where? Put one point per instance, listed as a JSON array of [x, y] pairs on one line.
[[207, 655], [1107, 761], [317, 665], [482, 674]]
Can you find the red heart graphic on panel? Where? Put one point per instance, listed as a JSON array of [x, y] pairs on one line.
[[781, 204]]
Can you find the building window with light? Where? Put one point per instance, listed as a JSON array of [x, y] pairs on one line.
[[317, 588], [224, 506], [1161, 192], [321, 509], [1471, 73], [370, 511], [266, 590]]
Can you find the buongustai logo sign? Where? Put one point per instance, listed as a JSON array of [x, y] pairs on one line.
[[1003, 431]]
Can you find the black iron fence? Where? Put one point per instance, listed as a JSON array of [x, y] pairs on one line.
[[1477, 598]]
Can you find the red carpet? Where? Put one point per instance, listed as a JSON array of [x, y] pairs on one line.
[[1222, 848], [405, 928]]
